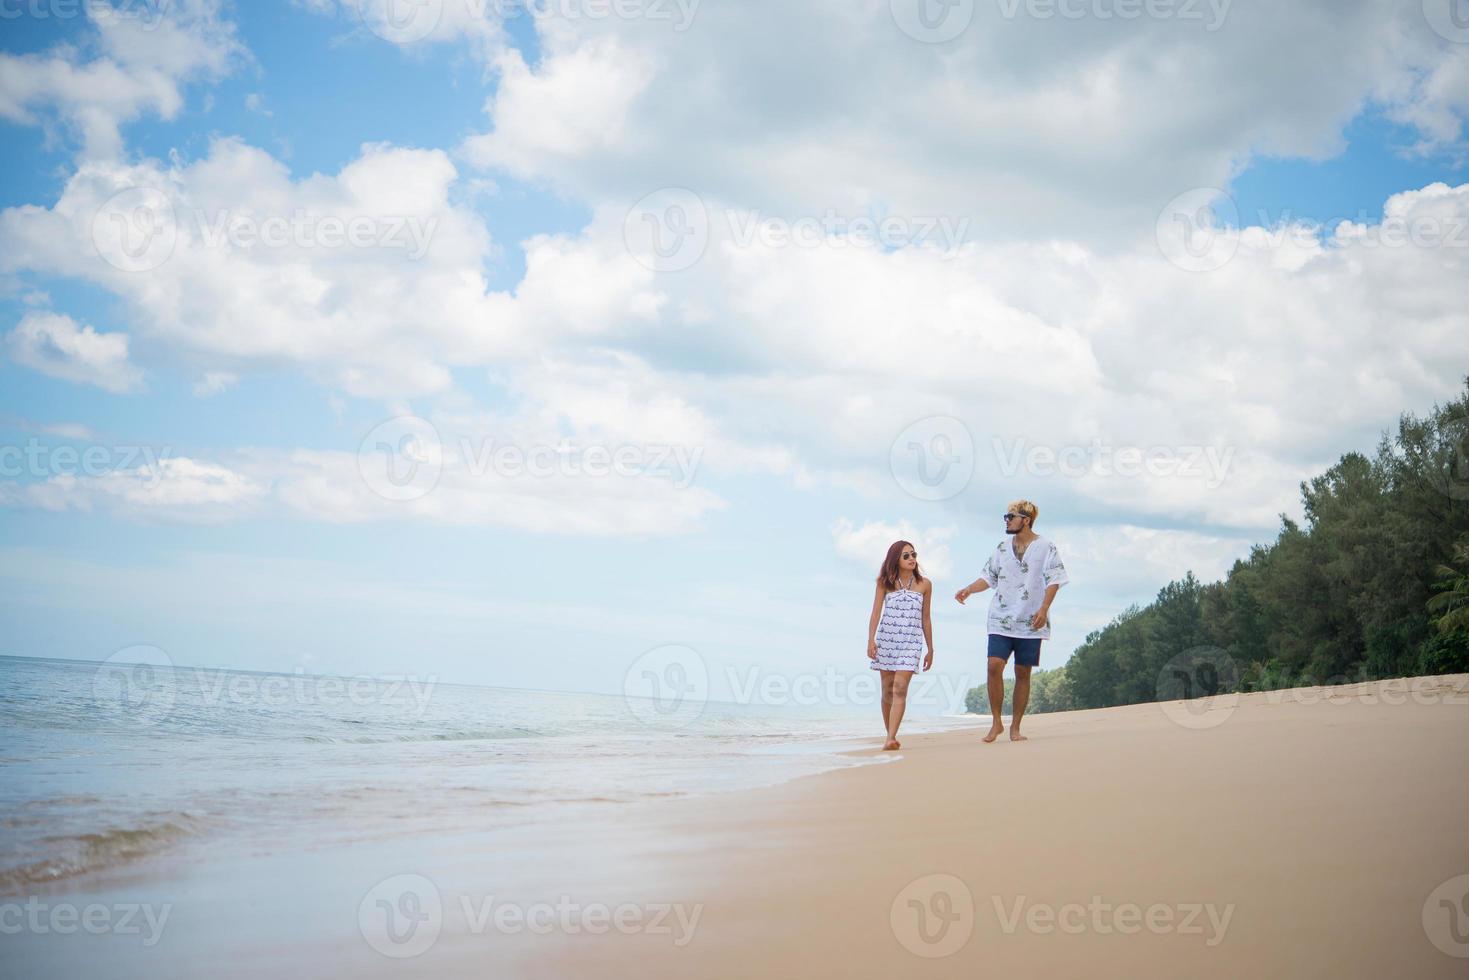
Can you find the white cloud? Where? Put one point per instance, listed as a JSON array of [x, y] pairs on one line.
[[57, 345], [807, 362], [366, 279], [828, 352], [523, 472], [145, 54], [214, 382], [169, 488], [417, 27], [868, 544], [1127, 563], [577, 107], [1032, 127], [616, 399]]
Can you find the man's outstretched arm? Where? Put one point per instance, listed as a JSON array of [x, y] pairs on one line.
[[973, 588]]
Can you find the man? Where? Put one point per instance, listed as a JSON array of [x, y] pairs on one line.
[[1026, 573]]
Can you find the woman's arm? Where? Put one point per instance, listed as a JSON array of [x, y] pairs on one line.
[[872, 624]]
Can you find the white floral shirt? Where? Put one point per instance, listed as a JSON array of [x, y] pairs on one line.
[[1020, 586]]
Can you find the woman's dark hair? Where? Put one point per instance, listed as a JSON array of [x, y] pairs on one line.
[[888, 577]]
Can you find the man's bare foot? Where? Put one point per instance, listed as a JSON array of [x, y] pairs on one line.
[[1015, 736], [891, 745], [995, 733]]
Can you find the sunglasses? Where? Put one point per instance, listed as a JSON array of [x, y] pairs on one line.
[[1013, 517], [908, 554]]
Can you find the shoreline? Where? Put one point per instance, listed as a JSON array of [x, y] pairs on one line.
[[1280, 833], [87, 858]]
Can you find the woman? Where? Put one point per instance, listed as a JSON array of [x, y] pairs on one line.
[[898, 631]]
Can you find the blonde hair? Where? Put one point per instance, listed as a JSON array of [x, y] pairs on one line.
[[1024, 507]]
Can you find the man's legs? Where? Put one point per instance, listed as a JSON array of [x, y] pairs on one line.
[[1027, 658], [995, 685], [1021, 699]]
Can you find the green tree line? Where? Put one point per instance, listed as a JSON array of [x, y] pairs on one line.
[[1374, 584]]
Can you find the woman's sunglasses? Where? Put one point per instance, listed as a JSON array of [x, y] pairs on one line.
[[908, 554]]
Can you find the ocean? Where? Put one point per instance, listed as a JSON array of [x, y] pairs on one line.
[[107, 764]]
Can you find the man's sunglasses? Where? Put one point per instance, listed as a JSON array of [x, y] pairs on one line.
[[1011, 517]]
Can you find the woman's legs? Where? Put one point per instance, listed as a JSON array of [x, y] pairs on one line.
[[885, 678], [899, 698]]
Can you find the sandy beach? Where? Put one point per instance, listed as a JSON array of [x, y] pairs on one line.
[[1291, 834], [1307, 833]]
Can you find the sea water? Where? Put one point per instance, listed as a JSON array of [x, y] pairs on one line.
[[105, 764]]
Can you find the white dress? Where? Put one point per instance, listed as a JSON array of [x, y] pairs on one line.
[[900, 643]]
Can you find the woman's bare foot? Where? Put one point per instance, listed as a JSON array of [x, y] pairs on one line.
[[891, 746], [995, 733], [1015, 736]]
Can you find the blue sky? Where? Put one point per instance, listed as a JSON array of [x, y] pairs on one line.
[[1058, 323]]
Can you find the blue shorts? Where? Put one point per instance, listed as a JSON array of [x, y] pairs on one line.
[[1027, 650]]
